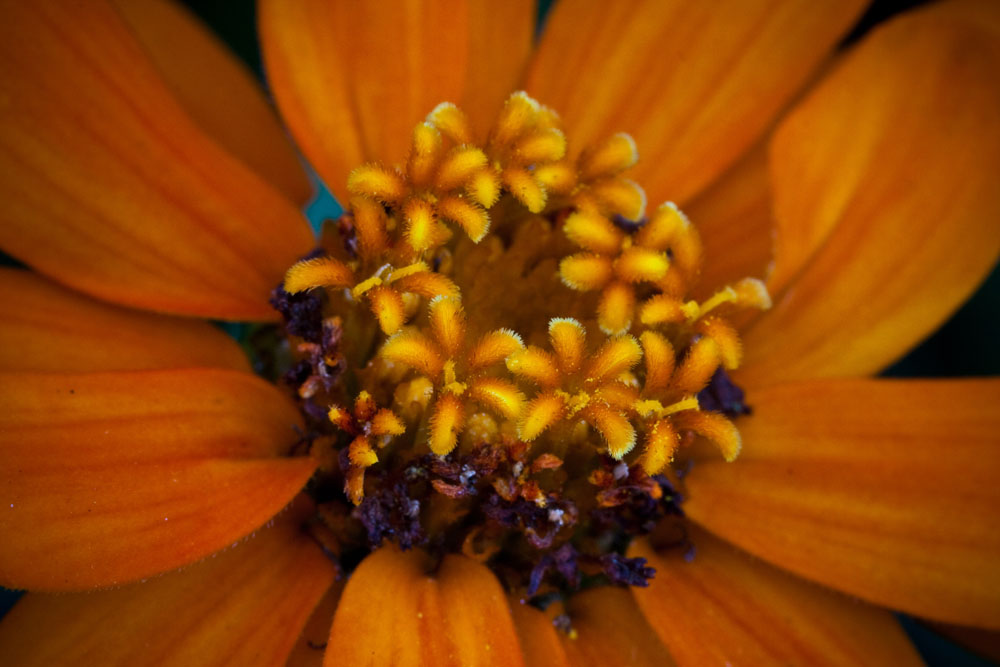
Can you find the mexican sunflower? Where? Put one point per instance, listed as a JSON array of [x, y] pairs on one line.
[[580, 376]]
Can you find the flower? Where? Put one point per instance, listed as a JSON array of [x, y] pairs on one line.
[[137, 443]]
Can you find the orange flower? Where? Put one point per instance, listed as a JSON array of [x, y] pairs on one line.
[[145, 181]]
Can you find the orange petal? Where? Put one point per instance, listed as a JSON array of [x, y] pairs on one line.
[[44, 327], [396, 610], [352, 79], [539, 640], [309, 648], [734, 220], [611, 631], [883, 489], [884, 226], [501, 35], [695, 84], [109, 186], [111, 477], [724, 607], [245, 606], [217, 90]]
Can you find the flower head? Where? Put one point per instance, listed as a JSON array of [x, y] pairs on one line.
[[511, 405]]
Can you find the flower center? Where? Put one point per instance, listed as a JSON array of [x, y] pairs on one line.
[[496, 354]]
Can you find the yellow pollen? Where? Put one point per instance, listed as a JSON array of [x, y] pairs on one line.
[[574, 403]]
